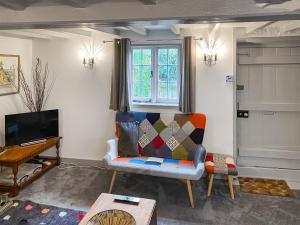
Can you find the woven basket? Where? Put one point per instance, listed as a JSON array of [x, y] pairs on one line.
[[112, 217]]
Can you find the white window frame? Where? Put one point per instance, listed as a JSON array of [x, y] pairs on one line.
[[154, 99]]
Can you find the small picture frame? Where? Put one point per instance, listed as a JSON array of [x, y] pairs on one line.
[[9, 74]]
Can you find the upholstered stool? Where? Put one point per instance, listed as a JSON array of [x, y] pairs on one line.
[[219, 164]]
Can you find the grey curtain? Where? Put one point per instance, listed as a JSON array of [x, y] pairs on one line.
[[119, 98], [188, 78]]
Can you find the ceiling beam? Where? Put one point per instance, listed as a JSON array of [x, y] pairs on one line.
[[25, 33], [73, 32], [289, 26], [175, 29], [51, 33], [256, 26], [108, 30], [77, 3], [149, 2], [18, 5], [138, 30]]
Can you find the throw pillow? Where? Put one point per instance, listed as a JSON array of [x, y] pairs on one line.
[[128, 139]]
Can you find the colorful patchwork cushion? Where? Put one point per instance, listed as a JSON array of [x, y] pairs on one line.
[[220, 164], [157, 162], [170, 136]]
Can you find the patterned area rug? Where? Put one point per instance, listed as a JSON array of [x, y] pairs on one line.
[[265, 187], [30, 213]]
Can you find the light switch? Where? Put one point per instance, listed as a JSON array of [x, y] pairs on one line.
[[229, 79]]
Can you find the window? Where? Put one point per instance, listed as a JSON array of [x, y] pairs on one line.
[[155, 74]]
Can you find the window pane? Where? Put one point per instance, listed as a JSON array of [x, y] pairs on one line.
[[162, 56], [173, 56], [172, 90], [137, 56], [137, 89], [172, 73], [137, 73], [146, 90], [163, 90], [146, 56], [146, 73], [163, 73]]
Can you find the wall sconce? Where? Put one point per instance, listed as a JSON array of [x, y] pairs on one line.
[[210, 50], [210, 59], [89, 54], [89, 62], [210, 56]]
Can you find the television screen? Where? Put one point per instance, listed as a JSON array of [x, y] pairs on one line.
[[33, 126]]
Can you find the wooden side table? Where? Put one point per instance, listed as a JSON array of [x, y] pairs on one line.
[[14, 156], [144, 213]]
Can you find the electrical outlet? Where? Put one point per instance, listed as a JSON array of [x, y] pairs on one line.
[[243, 114]]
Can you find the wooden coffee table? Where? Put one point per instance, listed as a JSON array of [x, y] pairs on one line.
[[144, 213]]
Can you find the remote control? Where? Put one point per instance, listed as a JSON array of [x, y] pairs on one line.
[[126, 199]]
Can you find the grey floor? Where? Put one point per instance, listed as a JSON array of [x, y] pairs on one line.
[[78, 188]]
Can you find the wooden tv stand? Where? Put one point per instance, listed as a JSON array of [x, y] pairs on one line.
[[14, 156]]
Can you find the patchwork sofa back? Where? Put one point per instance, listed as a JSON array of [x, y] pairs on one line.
[[169, 136]]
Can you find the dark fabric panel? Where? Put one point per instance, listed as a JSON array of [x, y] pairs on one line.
[[188, 77], [197, 135], [119, 97], [128, 139], [200, 154]]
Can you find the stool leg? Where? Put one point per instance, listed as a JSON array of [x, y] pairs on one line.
[[230, 184], [112, 182], [211, 180]]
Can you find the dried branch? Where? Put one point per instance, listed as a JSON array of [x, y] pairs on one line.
[[35, 97]]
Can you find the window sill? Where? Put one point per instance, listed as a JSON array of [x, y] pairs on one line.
[[173, 105]]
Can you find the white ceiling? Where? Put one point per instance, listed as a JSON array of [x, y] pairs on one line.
[[266, 29], [62, 13], [21, 5]]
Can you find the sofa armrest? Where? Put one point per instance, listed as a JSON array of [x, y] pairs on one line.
[[200, 155], [112, 150]]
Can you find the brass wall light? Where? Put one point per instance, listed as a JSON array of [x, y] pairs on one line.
[[90, 52]]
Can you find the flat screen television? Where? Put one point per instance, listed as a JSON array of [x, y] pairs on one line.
[[27, 127]]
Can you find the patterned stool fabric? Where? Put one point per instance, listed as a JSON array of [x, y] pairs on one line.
[[220, 164]]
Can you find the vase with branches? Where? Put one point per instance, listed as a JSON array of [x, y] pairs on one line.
[[35, 94]]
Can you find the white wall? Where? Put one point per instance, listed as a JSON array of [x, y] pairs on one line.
[[12, 103], [81, 95], [215, 97]]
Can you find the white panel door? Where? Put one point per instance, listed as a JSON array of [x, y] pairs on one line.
[[268, 82]]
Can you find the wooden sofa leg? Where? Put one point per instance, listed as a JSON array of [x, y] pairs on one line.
[[230, 184], [112, 182], [189, 188], [210, 184]]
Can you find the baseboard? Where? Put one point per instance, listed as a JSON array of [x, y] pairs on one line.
[[273, 173]]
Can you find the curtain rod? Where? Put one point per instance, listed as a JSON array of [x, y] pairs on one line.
[[174, 39]]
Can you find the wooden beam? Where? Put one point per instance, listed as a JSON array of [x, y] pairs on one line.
[[73, 32], [138, 30], [149, 2], [256, 26], [107, 30], [51, 33], [77, 3], [25, 33], [18, 5], [175, 29], [287, 26]]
